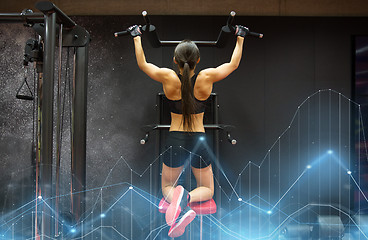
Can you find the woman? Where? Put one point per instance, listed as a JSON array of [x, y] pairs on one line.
[[187, 93]]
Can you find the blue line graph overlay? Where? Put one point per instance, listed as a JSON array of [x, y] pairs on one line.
[[315, 167]]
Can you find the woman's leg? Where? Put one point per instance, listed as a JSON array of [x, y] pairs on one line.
[[205, 185], [169, 180]]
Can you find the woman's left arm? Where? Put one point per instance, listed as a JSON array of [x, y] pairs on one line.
[[154, 72]]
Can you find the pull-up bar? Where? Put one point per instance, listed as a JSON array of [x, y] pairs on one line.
[[26, 15], [225, 33]]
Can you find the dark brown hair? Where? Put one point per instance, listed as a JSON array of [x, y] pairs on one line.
[[186, 56]]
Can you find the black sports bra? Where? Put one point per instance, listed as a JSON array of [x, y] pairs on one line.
[[175, 105]]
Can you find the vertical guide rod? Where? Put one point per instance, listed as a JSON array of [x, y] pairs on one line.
[[47, 122], [39, 68], [217, 153], [59, 123], [79, 129]]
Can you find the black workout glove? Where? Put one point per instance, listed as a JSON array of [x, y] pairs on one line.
[[241, 31], [134, 30]]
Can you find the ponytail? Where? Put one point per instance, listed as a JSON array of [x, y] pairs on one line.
[[187, 55], [187, 98]]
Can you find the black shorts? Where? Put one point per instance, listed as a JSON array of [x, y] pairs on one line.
[[186, 147]]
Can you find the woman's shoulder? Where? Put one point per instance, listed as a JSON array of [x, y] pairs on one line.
[[204, 75], [171, 79], [169, 75], [169, 72], [203, 85]]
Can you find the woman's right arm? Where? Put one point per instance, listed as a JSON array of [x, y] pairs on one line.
[[154, 72], [222, 71]]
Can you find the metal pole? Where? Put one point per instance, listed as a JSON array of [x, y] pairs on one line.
[[79, 129], [58, 133], [47, 121], [48, 7], [20, 18], [200, 227], [38, 146], [159, 147], [217, 152]]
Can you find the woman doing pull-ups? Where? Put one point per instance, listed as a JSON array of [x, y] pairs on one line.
[[187, 93]]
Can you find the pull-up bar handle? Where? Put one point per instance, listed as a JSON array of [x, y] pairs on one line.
[[146, 18], [230, 20]]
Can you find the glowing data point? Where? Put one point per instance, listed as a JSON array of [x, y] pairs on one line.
[[103, 215], [240, 199], [201, 138], [130, 187], [309, 166], [40, 197], [349, 172], [73, 230], [329, 151], [269, 212]]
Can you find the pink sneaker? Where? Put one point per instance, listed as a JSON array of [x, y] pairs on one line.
[[178, 229], [177, 205]]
